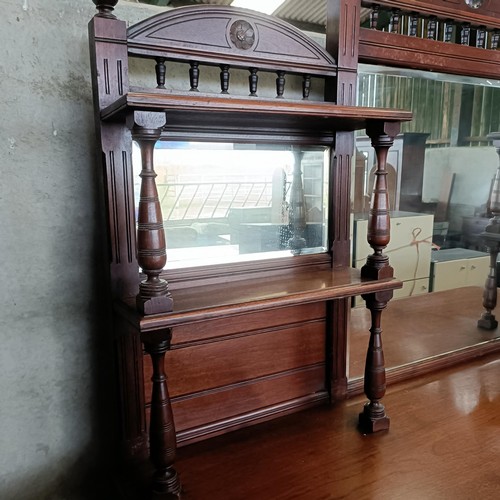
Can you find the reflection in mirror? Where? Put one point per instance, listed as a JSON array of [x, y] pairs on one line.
[[440, 173], [442, 163], [230, 202]]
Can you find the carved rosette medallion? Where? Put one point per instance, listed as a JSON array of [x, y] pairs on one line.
[[242, 34], [474, 4]]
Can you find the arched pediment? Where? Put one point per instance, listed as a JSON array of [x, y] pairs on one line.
[[238, 36]]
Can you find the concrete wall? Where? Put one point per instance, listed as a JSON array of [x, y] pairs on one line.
[[53, 353], [474, 170]]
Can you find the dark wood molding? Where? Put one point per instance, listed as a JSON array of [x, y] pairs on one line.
[[488, 14], [380, 47]]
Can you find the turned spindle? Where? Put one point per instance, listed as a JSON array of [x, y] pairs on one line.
[[491, 238], [495, 39], [105, 8], [394, 21], [224, 79], [448, 30], [306, 86], [465, 34], [413, 24], [162, 440], [154, 296], [481, 37], [194, 76], [374, 17], [432, 28], [253, 79], [161, 71], [280, 84]]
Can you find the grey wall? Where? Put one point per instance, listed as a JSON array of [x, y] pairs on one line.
[[52, 353]]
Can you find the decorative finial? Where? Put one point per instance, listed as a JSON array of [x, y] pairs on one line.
[[105, 8]]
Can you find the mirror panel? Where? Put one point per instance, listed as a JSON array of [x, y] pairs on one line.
[[231, 202]]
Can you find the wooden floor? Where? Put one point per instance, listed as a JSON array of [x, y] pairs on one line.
[[444, 443]]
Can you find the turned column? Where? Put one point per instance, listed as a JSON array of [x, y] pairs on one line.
[[491, 238], [162, 440], [154, 296], [374, 418]]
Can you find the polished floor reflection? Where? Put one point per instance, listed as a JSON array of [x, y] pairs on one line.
[[432, 328], [444, 443]]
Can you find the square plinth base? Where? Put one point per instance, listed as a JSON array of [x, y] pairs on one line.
[[368, 425], [487, 323]]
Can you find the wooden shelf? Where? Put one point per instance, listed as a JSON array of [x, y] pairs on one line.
[[200, 303], [187, 109]]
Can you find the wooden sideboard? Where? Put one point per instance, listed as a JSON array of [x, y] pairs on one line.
[[249, 341]]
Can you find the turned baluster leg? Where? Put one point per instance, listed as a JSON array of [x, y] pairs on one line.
[[373, 418], [154, 296], [491, 238], [162, 441], [487, 320]]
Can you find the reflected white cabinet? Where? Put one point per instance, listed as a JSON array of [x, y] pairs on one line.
[[458, 267], [409, 250]]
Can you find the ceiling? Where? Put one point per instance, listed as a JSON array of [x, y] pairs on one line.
[[309, 15]]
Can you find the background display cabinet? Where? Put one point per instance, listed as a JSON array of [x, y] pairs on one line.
[[458, 267], [409, 250]]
